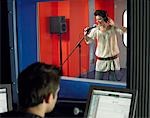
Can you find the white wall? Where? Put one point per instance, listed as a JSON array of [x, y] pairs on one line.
[[120, 6]]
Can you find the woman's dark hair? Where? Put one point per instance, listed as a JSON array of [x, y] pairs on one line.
[[36, 82], [101, 13]]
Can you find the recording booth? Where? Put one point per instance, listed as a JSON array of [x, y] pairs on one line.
[[32, 39]]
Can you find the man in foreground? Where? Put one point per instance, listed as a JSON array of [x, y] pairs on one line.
[[38, 87]]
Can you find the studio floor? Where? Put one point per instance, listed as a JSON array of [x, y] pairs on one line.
[[121, 75]]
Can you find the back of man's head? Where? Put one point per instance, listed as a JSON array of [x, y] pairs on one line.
[[36, 82]]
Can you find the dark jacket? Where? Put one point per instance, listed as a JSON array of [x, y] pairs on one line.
[[19, 114]]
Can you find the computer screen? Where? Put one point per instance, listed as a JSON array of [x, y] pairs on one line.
[[5, 98], [107, 102]]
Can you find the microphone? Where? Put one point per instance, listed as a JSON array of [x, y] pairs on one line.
[[88, 29], [76, 111]]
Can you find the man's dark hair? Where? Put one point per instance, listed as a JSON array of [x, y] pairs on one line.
[[36, 82], [101, 13]]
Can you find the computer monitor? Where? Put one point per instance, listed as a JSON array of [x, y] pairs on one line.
[[107, 102], [5, 98]]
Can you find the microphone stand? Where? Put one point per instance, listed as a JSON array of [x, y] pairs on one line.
[[60, 49], [76, 46]]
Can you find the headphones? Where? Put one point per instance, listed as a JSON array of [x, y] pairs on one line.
[[105, 19], [102, 13]]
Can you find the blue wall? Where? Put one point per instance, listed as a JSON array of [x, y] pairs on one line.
[[27, 32], [77, 88]]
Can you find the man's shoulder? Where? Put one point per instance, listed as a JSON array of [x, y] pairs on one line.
[[19, 114], [11, 114]]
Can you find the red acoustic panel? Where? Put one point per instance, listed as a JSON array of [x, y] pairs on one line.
[[107, 5], [76, 14]]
